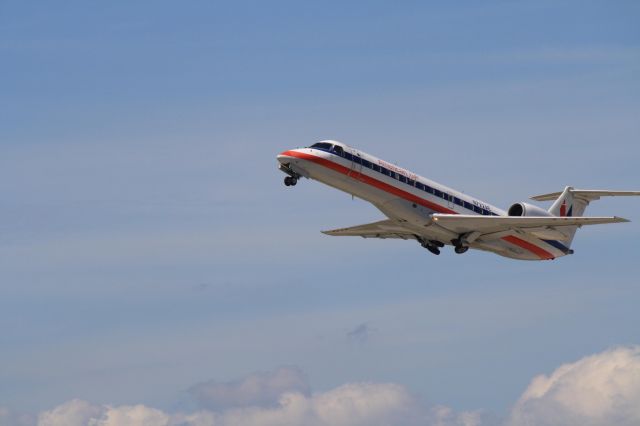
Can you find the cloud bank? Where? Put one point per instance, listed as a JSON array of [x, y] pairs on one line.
[[600, 389], [258, 389]]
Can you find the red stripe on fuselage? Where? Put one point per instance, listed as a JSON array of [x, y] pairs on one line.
[[369, 180], [541, 253]]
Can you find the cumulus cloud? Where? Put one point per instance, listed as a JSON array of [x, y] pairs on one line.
[[258, 389], [73, 413], [602, 389], [355, 404], [137, 415]]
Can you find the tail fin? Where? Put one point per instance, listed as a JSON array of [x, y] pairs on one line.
[[573, 202]]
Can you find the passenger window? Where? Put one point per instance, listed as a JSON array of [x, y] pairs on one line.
[[403, 179], [420, 186], [348, 156], [357, 159], [411, 182], [366, 164], [428, 189], [437, 193], [376, 167], [477, 209]]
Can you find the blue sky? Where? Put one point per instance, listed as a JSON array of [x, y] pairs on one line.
[[147, 242]]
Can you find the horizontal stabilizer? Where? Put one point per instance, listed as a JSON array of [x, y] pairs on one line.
[[586, 194]]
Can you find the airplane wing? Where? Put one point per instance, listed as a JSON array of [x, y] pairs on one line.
[[382, 229], [462, 224]]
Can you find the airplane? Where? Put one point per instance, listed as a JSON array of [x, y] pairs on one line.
[[435, 215]]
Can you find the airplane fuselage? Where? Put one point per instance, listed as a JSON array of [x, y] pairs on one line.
[[408, 199]]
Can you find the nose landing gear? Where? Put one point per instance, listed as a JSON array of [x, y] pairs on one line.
[[290, 181]]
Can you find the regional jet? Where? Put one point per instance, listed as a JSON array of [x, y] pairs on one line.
[[435, 215]]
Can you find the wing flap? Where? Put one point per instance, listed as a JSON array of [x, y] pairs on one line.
[[382, 229]]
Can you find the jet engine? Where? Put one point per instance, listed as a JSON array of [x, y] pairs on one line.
[[526, 209]]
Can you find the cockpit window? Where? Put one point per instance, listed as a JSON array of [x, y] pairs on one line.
[[322, 145], [338, 150]]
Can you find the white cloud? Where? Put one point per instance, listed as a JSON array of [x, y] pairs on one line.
[[72, 413], [137, 415], [600, 389], [354, 404], [257, 389]]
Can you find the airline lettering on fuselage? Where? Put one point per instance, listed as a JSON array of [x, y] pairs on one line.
[[397, 169], [481, 205]]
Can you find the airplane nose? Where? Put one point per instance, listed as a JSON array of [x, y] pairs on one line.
[[284, 157]]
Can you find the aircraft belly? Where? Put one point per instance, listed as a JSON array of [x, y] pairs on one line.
[[414, 217], [400, 209]]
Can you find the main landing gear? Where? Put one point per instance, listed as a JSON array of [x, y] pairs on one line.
[[290, 181], [459, 247], [432, 245]]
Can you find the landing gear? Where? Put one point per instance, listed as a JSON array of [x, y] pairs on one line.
[[290, 181], [433, 249], [431, 245], [461, 249], [459, 246]]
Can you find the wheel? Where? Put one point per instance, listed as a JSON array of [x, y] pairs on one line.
[[433, 249], [461, 249], [287, 181], [293, 181]]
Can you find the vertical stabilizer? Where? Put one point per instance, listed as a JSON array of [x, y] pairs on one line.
[[568, 205], [573, 202]]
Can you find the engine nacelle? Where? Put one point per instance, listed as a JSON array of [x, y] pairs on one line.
[[526, 209]]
